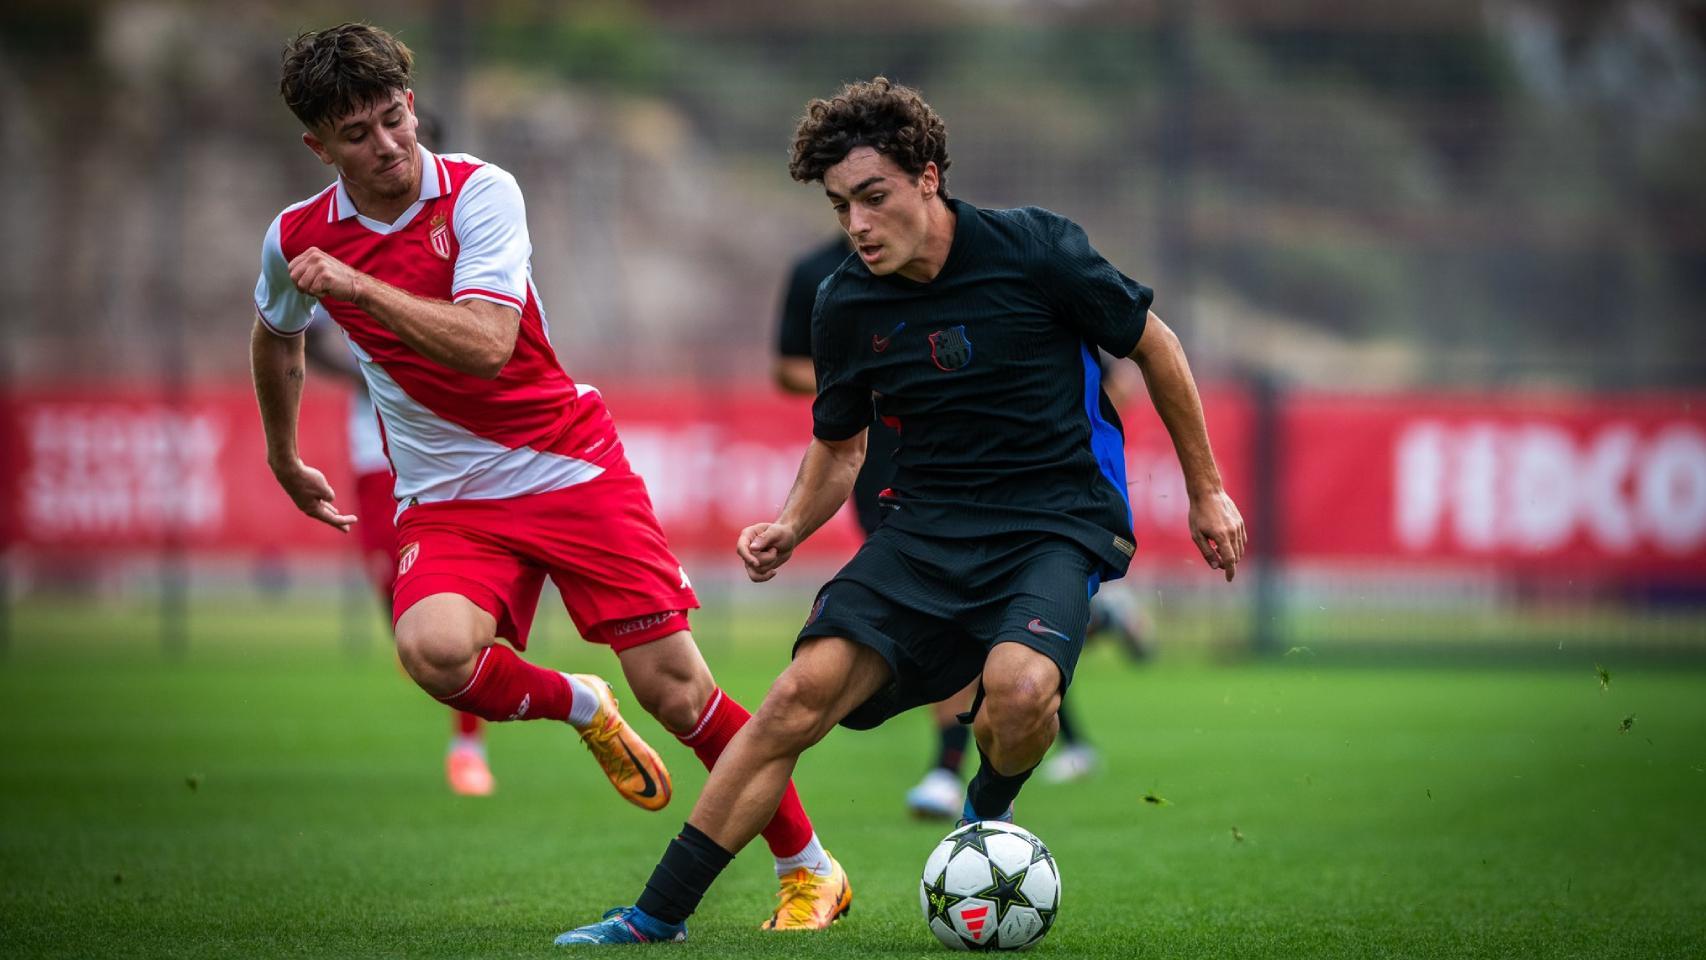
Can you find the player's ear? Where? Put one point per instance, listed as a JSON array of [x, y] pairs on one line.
[[313, 143], [929, 180]]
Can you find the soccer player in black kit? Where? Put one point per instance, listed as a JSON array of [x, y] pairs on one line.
[[940, 793], [977, 330]]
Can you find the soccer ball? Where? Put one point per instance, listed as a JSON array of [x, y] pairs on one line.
[[990, 886]]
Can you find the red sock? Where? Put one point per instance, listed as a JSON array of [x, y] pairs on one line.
[[790, 829], [467, 725], [506, 687]]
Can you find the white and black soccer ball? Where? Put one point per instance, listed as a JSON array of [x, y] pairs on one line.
[[990, 886]]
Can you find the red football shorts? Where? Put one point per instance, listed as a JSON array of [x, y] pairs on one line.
[[598, 541], [375, 525]]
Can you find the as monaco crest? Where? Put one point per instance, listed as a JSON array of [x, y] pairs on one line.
[[439, 237], [406, 558], [949, 349]]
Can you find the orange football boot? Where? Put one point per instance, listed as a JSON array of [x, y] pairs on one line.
[[634, 768], [810, 902]]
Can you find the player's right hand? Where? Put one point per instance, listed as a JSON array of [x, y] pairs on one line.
[[312, 494], [765, 546]]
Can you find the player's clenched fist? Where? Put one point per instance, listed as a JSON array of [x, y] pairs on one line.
[[319, 274], [765, 546]]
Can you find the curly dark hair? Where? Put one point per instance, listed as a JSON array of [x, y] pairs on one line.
[[886, 116], [327, 74]]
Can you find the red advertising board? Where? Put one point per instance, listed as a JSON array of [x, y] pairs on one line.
[[1561, 485], [1566, 485], [102, 469]]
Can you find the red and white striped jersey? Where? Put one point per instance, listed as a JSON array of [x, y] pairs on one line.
[[449, 435]]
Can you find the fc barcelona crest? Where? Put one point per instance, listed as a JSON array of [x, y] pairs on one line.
[[439, 237], [949, 349]]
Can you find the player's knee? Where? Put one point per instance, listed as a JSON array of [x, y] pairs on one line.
[[671, 682], [435, 655], [675, 705], [795, 712], [1023, 700]]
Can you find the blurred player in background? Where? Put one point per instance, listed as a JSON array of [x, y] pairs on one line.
[[940, 794], [465, 766], [507, 471], [977, 330]]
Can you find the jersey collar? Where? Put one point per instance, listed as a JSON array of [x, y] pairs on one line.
[[435, 183]]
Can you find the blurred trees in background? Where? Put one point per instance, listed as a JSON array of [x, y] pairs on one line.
[[1368, 195]]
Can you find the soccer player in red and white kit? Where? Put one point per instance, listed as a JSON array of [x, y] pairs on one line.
[[507, 471], [465, 766]]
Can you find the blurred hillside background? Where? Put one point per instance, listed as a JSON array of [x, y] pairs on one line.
[[1348, 194], [1467, 203]]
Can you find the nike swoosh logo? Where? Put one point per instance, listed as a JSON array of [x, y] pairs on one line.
[[879, 344], [651, 785], [1036, 626]]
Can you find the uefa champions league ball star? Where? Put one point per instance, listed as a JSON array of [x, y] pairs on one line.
[[990, 886]]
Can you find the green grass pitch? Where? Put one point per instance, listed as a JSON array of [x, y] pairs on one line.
[[272, 795]]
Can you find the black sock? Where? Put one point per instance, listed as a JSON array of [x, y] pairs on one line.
[[951, 748], [990, 793], [689, 866], [1068, 730]]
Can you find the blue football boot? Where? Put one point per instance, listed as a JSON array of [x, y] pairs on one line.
[[624, 925]]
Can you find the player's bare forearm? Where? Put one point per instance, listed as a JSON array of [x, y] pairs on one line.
[[278, 368], [826, 478], [474, 337], [1173, 390], [825, 481], [1217, 528]]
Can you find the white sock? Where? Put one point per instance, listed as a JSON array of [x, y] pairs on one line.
[[812, 857], [585, 702], [460, 742]]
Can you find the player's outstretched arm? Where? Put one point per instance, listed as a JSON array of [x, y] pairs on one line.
[[278, 367], [1216, 526], [826, 478], [473, 336]]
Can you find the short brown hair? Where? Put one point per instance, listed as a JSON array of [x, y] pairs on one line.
[[890, 118], [332, 73]]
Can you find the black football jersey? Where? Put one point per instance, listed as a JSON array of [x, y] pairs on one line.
[[990, 373]]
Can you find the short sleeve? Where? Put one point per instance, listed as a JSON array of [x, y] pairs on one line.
[[843, 404], [1106, 307], [491, 232], [285, 310], [794, 331]]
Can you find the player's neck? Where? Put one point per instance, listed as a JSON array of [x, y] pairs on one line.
[[938, 243]]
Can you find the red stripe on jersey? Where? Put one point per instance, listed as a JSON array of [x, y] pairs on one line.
[[479, 291]]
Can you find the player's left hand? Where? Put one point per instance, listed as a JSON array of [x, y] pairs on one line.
[[311, 493], [320, 275], [1218, 530]]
